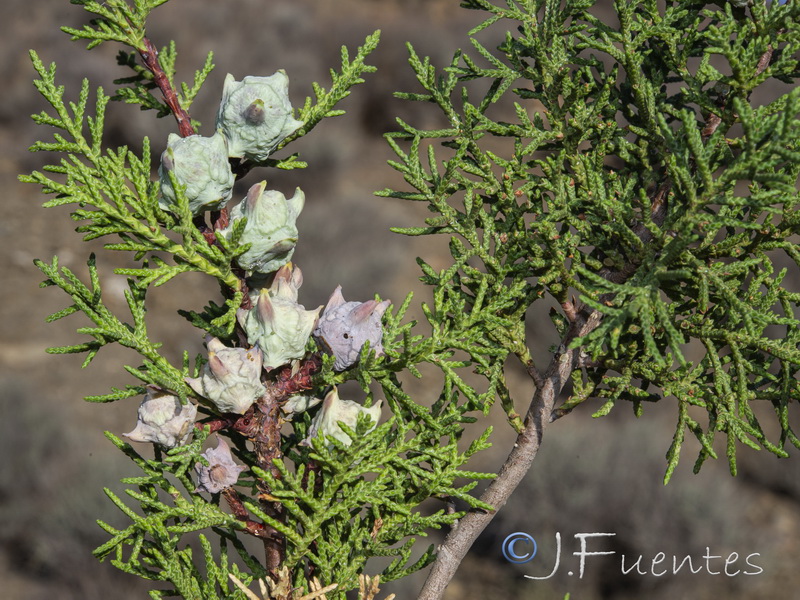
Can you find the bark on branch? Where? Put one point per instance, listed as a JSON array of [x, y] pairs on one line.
[[460, 540], [565, 360]]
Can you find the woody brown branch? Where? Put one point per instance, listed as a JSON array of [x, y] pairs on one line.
[[564, 361], [533, 373], [262, 425], [267, 444]]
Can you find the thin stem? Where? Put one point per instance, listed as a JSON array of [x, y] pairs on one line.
[[714, 120], [149, 55], [240, 512], [533, 373]]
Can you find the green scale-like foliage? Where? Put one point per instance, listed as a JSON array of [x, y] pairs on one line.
[[359, 501], [630, 165], [152, 547], [341, 504], [116, 196]]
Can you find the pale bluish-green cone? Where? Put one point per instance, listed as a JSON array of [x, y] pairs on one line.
[[277, 323], [297, 404], [231, 379], [271, 228], [335, 410], [201, 164], [162, 419], [256, 115]]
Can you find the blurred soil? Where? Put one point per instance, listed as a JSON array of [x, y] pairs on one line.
[[591, 475]]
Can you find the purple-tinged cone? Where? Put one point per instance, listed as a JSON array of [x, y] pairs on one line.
[[221, 471], [345, 327]]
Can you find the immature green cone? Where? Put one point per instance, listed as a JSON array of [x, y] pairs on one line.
[[163, 420], [255, 115], [277, 323], [334, 410], [201, 164], [345, 327], [271, 228], [231, 379]]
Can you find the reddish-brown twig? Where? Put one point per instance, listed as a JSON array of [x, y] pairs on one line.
[[267, 441], [240, 512], [262, 425], [149, 55]]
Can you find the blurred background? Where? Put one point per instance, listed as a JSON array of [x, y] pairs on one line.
[[590, 476]]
